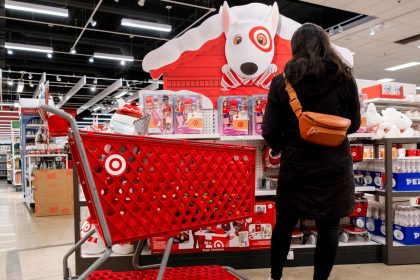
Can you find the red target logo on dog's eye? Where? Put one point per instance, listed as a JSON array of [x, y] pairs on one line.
[[261, 38]]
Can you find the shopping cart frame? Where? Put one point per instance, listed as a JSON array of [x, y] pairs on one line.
[[102, 220]]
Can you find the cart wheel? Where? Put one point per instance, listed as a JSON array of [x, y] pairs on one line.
[[344, 237], [367, 236], [312, 239]]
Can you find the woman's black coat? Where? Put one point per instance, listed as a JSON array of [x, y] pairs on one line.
[[315, 182]]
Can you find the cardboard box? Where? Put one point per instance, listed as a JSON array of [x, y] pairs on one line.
[[406, 181], [407, 235], [53, 192], [384, 91], [253, 233]]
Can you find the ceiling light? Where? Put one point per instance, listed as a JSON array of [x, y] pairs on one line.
[[31, 84], [40, 9], [93, 23], [97, 107], [141, 3], [73, 51], [30, 76], [113, 56], [10, 82], [146, 25], [91, 59], [25, 47], [386, 80], [9, 51], [371, 32], [49, 55], [92, 88], [20, 86], [95, 81], [122, 62], [16, 105], [58, 79], [402, 66], [121, 94], [60, 97], [340, 29]]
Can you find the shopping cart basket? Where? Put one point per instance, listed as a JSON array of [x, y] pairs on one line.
[[137, 187]]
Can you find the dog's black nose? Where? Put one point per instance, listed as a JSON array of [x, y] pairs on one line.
[[249, 68]]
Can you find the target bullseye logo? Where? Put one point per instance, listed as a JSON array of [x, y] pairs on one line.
[[115, 165], [195, 122], [218, 244], [240, 124]]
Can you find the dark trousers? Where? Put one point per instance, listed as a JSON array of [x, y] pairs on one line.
[[325, 251]]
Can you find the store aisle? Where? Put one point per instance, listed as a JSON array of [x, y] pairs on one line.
[[31, 248]]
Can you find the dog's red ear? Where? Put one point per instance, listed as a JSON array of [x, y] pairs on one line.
[[226, 17]]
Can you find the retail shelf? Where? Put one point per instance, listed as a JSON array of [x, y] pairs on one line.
[[395, 102], [365, 189], [381, 240], [411, 140], [361, 135], [35, 125], [241, 137], [46, 155], [265, 192], [399, 194], [187, 136]]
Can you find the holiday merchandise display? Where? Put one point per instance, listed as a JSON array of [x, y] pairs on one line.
[[390, 124], [395, 91], [124, 119], [252, 233], [259, 102], [161, 109], [234, 115], [188, 114]]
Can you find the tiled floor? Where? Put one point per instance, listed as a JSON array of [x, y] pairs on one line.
[[31, 248]]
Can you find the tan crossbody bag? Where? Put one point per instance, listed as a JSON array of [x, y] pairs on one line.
[[316, 128]]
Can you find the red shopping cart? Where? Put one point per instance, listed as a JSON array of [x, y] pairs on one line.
[[137, 187]]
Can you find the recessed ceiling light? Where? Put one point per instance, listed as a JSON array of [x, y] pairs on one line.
[[386, 80], [49, 55], [9, 51], [33, 8], [402, 66], [91, 59], [146, 25], [92, 88]]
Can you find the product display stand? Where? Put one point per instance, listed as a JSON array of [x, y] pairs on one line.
[[16, 174], [392, 254]]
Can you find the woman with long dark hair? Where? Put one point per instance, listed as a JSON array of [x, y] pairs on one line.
[[315, 182]]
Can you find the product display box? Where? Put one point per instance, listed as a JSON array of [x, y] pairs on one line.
[[253, 233], [406, 181], [384, 91], [259, 102], [375, 226], [188, 114], [53, 192], [407, 235], [234, 115], [161, 109]]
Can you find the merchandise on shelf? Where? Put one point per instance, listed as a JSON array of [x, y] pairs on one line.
[[259, 102], [406, 227], [252, 233], [161, 109], [123, 120], [384, 91], [188, 114], [233, 115]]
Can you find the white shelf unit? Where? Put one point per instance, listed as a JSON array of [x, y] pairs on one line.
[[31, 159], [16, 168], [393, 102]]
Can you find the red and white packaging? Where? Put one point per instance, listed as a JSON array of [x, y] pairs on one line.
[[250, 234], [94, 244]]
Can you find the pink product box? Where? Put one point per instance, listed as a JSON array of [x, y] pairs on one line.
[[188, 114], [161, 109], [258, 102], [234, 115]]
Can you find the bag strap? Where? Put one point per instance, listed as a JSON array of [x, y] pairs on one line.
[[293, 99]]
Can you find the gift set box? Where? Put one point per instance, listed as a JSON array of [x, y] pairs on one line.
[[252, 233]]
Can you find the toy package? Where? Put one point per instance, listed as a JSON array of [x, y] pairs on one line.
[[259, 102], [188, 115], [234, 115], [160, 108]]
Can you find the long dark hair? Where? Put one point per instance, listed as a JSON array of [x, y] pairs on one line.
[[311, 49]]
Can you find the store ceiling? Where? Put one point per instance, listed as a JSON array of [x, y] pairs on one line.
[[395, 20]]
